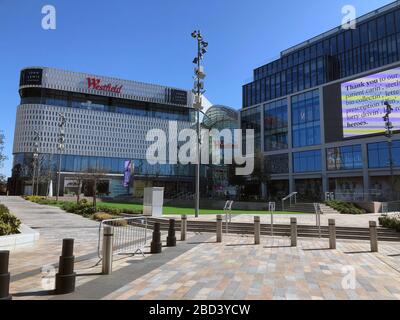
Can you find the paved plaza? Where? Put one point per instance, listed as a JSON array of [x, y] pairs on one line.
[[200, 268]]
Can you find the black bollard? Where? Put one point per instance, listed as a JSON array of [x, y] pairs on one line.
[[156, 245], [171, 239], [66, 277], [4, 276]]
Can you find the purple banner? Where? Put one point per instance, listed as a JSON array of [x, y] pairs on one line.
[[127, 173]]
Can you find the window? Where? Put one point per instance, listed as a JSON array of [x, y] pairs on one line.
[[306, 119], [251, 119], [307, 161], [275, 125], [364, 34], [378, 154], [381, 27], [372, 32], [344, 158]]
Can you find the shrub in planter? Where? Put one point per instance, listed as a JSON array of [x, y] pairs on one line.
[[3, 209], [85, 210], [344, 207], [5, 229], [391, 222], [113, 211], [36, 199], [9, 223], [100, 216], [120, 223], [40, 200], [132, 211], [69, 206]]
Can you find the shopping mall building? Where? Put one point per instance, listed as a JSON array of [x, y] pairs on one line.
[[106, 121], [318, 112]]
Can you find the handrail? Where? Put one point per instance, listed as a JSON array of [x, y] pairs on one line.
[[289, 197]]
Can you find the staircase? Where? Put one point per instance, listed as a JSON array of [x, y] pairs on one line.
[[327, 209], [298, 207]]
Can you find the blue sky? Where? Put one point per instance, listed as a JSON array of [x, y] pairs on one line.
[[150, 41]]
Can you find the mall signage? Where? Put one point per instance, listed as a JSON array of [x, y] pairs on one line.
[[96, 84], [31, 77], [178, 97]]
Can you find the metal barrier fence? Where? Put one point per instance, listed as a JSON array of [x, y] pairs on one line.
[[129, 235], [228, 214]]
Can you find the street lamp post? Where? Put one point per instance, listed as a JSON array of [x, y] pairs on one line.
[[389, 135], [61, 146], [198, 91], [35, 162]]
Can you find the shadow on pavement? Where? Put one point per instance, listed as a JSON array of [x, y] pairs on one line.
[[34, 293]]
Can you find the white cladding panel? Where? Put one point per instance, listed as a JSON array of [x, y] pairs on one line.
[[87, 132]]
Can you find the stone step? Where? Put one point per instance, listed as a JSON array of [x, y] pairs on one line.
[[283, 230]]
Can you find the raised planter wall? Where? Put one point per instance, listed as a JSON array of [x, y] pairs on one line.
[[26, 237]]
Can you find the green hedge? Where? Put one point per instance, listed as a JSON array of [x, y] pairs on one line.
[[391, 222], [9, 223], [116, 211], [40, 200], [82, 208], [344, 207]]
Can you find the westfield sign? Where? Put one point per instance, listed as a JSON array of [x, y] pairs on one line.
[[94, 83]]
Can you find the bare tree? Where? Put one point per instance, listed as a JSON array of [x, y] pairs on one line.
[[91, 175]]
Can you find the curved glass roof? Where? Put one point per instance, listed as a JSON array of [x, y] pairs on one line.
[[221, 117]]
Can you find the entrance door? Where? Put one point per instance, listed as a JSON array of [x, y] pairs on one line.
[[309, 190]]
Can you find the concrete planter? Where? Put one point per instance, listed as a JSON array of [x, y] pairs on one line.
[[26, 237]]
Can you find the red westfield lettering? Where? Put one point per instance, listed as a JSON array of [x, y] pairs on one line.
[[94, 83]]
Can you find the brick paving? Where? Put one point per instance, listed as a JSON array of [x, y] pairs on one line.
[[236, 269], [201, 268]]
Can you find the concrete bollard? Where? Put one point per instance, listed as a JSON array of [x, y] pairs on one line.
[[171, 238], [373, 236], [66, 277], [108, 238], [4, 276], [219, 228], [183, 227], [293, 232], [257, 230], [332, 234], [156, 245]]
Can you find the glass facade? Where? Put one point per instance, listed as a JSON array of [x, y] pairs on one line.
[[374, 43], [378, 154], [307, 161], [106, 104], [306, 129], [74, 163], [276, 125], [344, 158], [277, 164], [251, 119]]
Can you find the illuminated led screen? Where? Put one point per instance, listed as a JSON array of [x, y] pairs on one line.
[[363, 106]]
